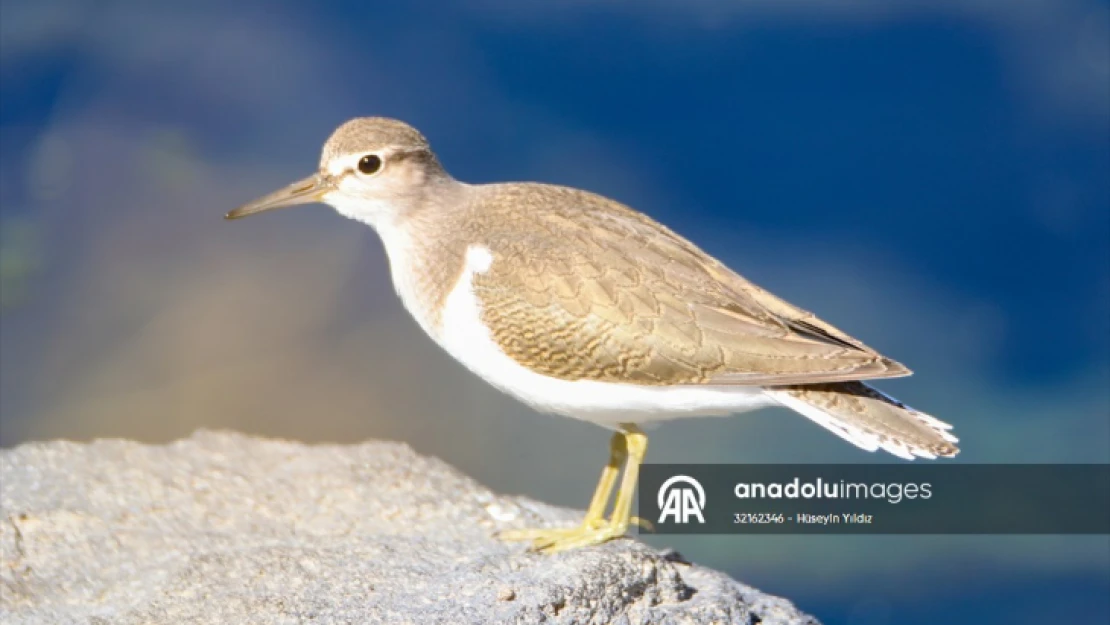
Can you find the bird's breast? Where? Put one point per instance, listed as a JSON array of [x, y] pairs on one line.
[[423, 275]]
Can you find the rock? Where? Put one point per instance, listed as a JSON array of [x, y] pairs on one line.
[[226, 528]]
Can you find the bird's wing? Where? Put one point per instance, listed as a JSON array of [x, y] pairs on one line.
[[610, 295]]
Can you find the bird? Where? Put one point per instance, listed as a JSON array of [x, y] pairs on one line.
[[578, 305]]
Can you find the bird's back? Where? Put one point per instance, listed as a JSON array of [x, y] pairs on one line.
[[609, 294]]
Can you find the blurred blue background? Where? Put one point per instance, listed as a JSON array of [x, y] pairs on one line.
[[931, 176]]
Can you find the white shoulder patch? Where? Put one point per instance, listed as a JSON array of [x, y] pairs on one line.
[[478, 259]]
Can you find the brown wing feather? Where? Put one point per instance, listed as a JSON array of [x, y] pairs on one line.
[[590, 289]]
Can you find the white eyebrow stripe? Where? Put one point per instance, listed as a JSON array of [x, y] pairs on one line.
[[340, 167]]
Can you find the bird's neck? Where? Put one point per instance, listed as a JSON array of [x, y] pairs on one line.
[[427, 251]]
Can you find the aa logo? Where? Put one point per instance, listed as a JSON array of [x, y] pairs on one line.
[[681, 498]]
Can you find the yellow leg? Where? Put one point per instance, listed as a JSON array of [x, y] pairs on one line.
[[636, 441], [630, 446], [618, 452], [595, 513]]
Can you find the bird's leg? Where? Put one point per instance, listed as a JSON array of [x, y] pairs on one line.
[[636, 445], [595, 513], [618, 453], [636, 442], [595, 529]]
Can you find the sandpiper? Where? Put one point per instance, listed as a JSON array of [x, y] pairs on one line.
[[581, 306]]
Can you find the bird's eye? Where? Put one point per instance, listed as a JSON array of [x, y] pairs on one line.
[[370, 164]]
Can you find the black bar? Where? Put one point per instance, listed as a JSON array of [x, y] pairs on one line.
[[917, 498]]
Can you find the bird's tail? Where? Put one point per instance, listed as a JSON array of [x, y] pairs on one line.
[[867, 418]]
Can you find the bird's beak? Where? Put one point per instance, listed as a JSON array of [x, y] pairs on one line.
[[307, 191]]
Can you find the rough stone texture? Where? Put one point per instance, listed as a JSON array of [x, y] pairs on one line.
[[225, 528]]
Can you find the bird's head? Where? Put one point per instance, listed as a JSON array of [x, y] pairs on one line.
[[372, 169]]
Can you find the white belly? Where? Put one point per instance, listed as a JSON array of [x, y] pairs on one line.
[[463, 335]]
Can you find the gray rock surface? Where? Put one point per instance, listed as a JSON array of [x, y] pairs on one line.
[[226, 528]]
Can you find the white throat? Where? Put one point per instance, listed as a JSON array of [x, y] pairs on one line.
[[411, 279], [379, 214]]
